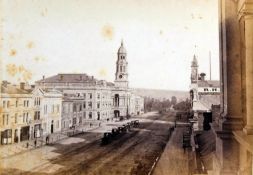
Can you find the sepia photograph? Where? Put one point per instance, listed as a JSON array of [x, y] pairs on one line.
[[126, 87]]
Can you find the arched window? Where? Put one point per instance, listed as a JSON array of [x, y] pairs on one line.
[[116, 99]]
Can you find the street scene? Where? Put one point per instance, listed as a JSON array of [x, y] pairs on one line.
[[133, 152], [126, 87]]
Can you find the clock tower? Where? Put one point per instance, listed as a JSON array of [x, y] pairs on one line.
[[121, 75], [194, 70]]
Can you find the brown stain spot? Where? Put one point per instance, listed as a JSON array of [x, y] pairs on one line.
[[27, 75], [108, 32], [13, 70], [30, 45], [39, 59], [13, 52], [43, 12], [103, 72]]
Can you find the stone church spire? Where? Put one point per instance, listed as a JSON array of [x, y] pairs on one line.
[[194, 70], [121, 75]]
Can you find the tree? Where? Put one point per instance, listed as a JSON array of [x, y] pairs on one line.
[[173, 100]]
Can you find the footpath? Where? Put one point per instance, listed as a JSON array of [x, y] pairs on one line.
[[21, 147], [174, 161]]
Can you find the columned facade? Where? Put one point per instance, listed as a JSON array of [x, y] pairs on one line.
[[234, 128], [248, 18]]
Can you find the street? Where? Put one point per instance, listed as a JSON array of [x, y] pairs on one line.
[[133, 153]]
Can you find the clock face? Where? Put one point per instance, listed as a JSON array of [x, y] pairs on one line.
[[120, 76]]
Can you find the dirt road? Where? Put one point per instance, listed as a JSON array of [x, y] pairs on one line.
[[133, 153]]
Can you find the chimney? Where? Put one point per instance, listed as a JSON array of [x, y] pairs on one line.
[[22, 85], [202, 76], [5, 83]]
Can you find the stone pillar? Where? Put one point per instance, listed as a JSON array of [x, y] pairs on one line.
[[230, 64], [249, 72], [245, 162], [226, 159]]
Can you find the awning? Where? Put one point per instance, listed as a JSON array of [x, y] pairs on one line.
[[198, 106]]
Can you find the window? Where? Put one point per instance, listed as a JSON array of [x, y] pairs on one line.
[[90, 115], [74, 108], [90, 95], [90, 105], [74, 121], [84, 105], [58, 108], [45, 109], [23, 117], [27, 103], [98, 105], [57, 124], [3, 119], [8, 104], [4, 104], [98, 96], [80, 107], [37, 115], [27, 117], [98, 113], [24, 103], [16, 118], [16, 103]]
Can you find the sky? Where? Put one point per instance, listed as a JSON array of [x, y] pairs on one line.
[[82, 36]]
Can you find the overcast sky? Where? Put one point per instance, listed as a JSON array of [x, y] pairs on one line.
[[82, 36]]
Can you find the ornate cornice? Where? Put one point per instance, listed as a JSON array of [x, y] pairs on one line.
[[245, 7]]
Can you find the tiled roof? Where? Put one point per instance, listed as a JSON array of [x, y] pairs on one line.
[[13, 90], [208, 83], [70, 78], [74, 78]]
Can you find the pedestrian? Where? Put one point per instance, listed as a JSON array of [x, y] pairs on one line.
[[47, 140], [35, 143], [27, 144]]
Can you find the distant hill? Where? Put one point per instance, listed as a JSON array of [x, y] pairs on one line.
[[160, 94]]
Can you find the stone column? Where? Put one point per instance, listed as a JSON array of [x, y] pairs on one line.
[[249, 72], [230, 63], [226, 159], [245, 161]]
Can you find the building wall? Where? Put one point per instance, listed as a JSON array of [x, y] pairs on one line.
[[16, 113]]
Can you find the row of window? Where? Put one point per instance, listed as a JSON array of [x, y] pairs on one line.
[[54, 109], [213, 89], [79, 108], [89, 95], [6, 103], [37, 101], [6, 118]]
